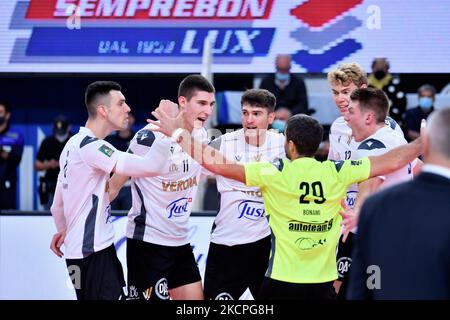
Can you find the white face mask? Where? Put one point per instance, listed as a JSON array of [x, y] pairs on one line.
[[62, 137]]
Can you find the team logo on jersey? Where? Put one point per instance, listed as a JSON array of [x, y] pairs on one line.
[[257, 157], [173, 167], [147, 293], [162, 289], [343, 266], [178, 208], [106, 150], [224, 296], [252, 210], [132, 293], [307, 243]]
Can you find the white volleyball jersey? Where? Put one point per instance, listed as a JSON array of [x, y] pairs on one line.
[[379, 143], [342, 144], [86, 164], [241, 218], [161, 205]]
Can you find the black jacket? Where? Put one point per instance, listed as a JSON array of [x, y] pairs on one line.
[[404, 233]]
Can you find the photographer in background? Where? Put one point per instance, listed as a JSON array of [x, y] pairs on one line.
[[48, 159], [11, 149]]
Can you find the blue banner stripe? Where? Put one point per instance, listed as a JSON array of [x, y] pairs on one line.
[[318, 62], [149, 42]]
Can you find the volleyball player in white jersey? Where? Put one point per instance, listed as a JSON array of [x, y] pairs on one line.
[[160, 261], [343, 81], [240, 238], [81, 206], [366, 113]]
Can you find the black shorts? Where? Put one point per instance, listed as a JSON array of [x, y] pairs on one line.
[[99, 276], [279, 290], [230, 270], [343, 263], [154, 269]]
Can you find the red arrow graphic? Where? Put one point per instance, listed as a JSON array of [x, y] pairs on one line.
[[318, 12]]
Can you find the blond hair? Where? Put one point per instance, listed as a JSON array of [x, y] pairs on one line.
[[348, 73]]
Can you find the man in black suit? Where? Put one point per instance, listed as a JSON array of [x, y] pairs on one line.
[[402, 247]]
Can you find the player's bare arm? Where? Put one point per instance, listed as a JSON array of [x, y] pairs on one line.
[[115, 184], [206, 156]]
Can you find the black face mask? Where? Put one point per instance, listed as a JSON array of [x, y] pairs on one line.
[[379, 74], [2, 120]]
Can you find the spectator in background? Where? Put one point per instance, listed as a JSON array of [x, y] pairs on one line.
[[380, 78], [48, 159], [121, 140], [289, 90], [413, 117], [282, 115], [11, 149]]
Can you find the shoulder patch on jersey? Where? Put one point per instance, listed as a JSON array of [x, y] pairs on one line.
[[216, 143], [338, 164], [106, 150], [278, 163], [145, 137], [87, 140], [391, 123], [371, 144]]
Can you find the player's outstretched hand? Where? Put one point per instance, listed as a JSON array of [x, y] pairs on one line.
[[169, 107], [349, 220], [166, 124], [57, 242]]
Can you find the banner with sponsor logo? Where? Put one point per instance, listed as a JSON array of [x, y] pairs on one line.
[[245, 35]]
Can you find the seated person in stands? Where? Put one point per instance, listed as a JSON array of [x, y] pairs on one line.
[[413, 117]]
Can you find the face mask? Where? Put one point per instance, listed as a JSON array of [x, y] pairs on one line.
[[61, 137], [279, 125], [425, 103], [2, 120], [282, 76], [379, 74]]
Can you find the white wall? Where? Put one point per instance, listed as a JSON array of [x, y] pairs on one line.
[[29, 270]]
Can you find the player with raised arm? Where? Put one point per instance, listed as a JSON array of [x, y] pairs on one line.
[[160, 261], [302, 201]]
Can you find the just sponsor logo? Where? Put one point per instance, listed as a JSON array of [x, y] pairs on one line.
[[252, 210], [178, 207]]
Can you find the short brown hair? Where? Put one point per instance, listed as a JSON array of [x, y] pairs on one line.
[[374, 100], [193, 83], [259, 98], [348, 73], [97, 90]]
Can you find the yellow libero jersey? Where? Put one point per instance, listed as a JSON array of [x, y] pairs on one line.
[[302, 201]]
